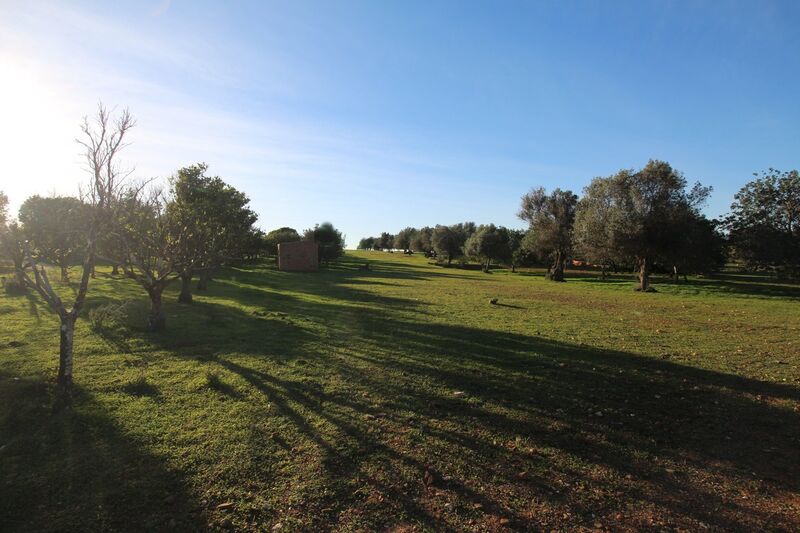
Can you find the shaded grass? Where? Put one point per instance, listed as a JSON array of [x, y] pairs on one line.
[[400, 398]]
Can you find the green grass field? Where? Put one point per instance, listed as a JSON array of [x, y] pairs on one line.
[[399, 399]]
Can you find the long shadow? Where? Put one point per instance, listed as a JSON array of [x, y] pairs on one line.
[[78, 470], [662, 435]]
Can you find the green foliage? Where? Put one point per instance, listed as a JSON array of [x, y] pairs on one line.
[[637, 216], [764, 223], [55, 228], [279, 236], [329, 239], [489, 243], [402, 241], [447, 242], [422, 240], [550, 218], [367, 243], [12, 287]]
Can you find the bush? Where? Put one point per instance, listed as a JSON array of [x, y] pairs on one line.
[[12, 287]]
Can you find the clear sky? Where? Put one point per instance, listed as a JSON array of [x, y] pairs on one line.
[[378, 115]]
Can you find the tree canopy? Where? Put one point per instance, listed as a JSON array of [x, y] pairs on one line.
[[764, 223], [550, 218]]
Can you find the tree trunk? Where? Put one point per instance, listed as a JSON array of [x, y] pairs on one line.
[[676, 274], [185, 297], [94, 273], [513, 268], [644, 275], [156, 321], [115, 270], [449, 258], [486, 266], [603, 273], [64, 274], [205, 277], [67, 332], [556, 273]]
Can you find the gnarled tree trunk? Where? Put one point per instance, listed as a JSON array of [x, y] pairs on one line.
[[64, 274], [156, 321], [556, 272], [115, 269], [644, 275], [185, 297], [67, 333]]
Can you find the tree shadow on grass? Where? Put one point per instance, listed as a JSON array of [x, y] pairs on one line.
[[508, 427], [78, 470]]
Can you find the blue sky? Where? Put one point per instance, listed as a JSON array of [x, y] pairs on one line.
[[377, 115]]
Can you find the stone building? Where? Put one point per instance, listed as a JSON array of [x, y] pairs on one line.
[[300, 256]]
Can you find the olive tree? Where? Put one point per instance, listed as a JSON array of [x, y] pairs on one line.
[[639, 215], [402, 241], [550, 218], [764, 223], [447, 242], [280, 236], [54, 229], [487, 243]]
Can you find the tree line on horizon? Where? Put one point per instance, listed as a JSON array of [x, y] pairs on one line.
[[152, 236], [641, 220]]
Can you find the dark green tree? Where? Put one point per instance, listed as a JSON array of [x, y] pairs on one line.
[[550, 218], [421, 241], [329, 239], [214, 223], [764, 223], [487, 243], [448, 241], [642, 215], [402, 241], [55, 229]]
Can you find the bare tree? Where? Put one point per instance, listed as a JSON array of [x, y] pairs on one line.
[[102, 139]]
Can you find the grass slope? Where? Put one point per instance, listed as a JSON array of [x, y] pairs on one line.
[[399, 399]]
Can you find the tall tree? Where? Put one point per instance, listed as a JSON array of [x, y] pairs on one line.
[[54, 229], [329, 239], [764, 223], [102, 140], [385, 241], [214, 221], [643, 214], [487, 243], [550, 218], [12, 248]]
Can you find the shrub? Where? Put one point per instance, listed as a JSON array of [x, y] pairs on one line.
[[111, 316]]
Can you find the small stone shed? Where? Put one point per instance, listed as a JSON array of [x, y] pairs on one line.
[[300, 256]]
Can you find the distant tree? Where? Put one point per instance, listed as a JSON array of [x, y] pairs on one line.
[[214, 221], [255, 244], [642, 214], [102, 141], [12, 248], [447, 241], [3, 210], [421, 241], [54, 229], [764, 223], [329, 239], [487, 243], [153, 250], [402, 241], [367, 243], [519, 255], [385, 241], [550, 218], [280, 236]]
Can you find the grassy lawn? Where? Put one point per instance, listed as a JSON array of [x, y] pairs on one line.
[[399, 399]]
